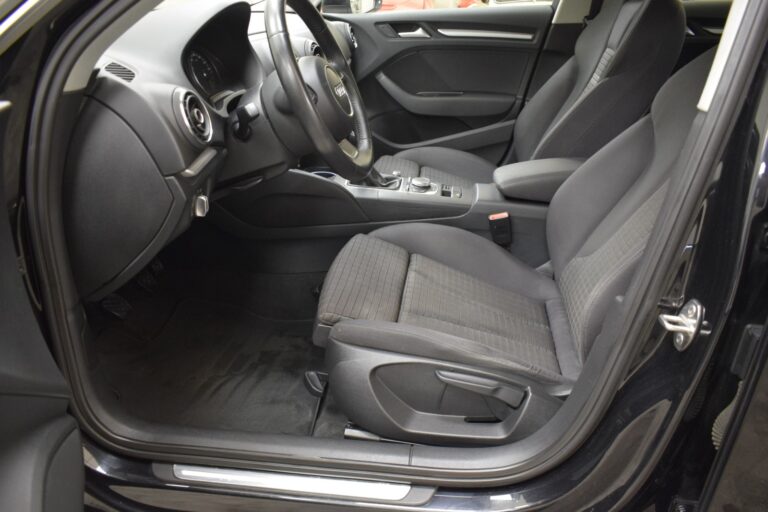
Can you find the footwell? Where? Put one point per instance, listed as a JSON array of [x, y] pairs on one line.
[[217, 366]]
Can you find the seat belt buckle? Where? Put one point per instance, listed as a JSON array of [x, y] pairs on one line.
[[501, 228]]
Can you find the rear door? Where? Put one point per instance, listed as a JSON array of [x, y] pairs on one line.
[[454, 77]]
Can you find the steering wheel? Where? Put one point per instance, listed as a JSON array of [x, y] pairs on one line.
[[329, 107]]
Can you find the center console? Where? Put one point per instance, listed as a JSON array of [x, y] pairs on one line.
[[321, 204], [406, 198]]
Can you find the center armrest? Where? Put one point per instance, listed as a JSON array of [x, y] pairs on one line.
[[534, 180]]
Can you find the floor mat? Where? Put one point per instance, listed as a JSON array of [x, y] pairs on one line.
[[213, 366], [331, 420]]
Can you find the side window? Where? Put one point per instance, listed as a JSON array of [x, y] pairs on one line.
[[369, 6]]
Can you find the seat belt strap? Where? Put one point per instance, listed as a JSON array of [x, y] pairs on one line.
[[594, 10]]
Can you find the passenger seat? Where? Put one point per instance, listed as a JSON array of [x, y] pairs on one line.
[[621, 59]]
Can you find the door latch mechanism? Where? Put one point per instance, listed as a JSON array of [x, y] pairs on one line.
[[685, 325]]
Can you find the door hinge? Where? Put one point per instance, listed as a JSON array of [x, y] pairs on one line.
[[685, 325], [682, 505]]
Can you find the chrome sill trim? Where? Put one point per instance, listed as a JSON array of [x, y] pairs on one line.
[[345, 488], [485, 34]]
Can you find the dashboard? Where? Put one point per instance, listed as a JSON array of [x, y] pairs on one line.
[[153, 143]]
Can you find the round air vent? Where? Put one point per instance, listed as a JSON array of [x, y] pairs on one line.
[[315, 50], [196, 117]]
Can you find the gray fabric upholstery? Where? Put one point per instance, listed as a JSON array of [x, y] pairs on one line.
[[472, 255], [365, 281], [512, 325], [461, 298], [600, 219], [620, 61], [586, 278], [486, 318]]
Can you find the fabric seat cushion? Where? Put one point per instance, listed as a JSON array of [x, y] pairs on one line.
[[365, 281], [441, 165], [471, 254], [464, 298], [510, 324]]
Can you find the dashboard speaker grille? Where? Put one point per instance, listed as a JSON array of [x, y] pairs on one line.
[[196, 117], [120, 71]]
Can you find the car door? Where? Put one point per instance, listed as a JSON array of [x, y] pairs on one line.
[[453, 77], [41, 463]]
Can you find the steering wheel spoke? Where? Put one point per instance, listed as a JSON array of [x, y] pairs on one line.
[[336, 107]]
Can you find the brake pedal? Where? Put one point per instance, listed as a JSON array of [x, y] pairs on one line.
[[116, 306]]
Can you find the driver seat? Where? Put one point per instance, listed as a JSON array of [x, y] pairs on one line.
[[434, 334], [620, 60]]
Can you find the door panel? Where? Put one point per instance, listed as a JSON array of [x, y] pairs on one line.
[[41, 465], [42, 470], [447, 77]]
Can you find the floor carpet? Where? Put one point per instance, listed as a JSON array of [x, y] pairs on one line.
[[212, 365]]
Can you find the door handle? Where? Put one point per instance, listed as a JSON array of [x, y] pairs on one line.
[[419, 33]]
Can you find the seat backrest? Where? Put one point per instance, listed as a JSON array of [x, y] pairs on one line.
[[600, 219], [620, 61]]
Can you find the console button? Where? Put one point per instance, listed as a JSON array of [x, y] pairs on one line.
[[421, 184]]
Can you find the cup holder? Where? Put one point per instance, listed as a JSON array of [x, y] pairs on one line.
[[324, 174]]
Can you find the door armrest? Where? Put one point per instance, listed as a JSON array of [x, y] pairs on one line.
[[534, 180]]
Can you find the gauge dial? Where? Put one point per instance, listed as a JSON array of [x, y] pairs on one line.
[[204, 73]]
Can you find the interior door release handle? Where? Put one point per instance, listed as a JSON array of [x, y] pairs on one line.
[[419, 33]]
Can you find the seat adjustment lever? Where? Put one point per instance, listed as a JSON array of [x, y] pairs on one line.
[[507, 393]]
